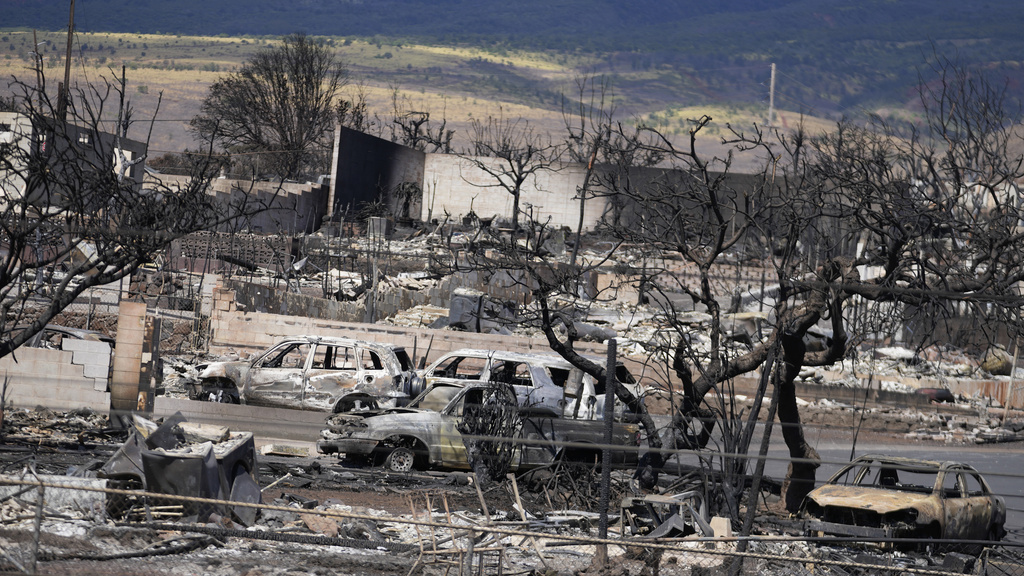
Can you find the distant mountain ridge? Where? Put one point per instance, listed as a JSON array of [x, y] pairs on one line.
[[841, 54], [612, 25]]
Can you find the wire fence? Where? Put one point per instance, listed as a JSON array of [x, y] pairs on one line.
[[175, 299], [88, 525]]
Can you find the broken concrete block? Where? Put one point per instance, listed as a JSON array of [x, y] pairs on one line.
[[95, 371], [198, 433], [591, 333], [958, 563], [320, 525], [465, 309], [998, 362], [85, 346], [283, 450], [722, 527]]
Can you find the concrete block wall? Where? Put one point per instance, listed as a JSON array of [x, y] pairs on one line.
[[623, 288], [391, 299], [43, 377], [94, 357], [131, 334], [282, 202], [259, 298], [457, 185], [250, 332]]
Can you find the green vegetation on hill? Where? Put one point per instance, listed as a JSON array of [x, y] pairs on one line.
[[834, 56]]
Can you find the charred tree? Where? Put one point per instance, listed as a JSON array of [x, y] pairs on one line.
[[74, 210]]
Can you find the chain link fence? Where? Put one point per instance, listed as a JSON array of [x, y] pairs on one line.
[[176, 299], [64, 525]]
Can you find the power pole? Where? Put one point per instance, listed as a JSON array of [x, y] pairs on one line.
[[62, 96], [771, 98]]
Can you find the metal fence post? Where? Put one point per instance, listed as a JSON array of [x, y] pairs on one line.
[[601, 555], [37, 528]]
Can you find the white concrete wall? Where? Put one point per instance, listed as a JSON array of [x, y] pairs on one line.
[[50, 378], [93, 357], [456, 185]]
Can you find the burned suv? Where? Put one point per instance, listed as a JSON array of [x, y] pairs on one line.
[[544, 384], [310, 373]]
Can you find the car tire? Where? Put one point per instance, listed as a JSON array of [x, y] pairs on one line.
[[225, 396], [400, 460]]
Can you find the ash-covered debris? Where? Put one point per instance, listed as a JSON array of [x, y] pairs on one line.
[[44, 427], [972, 431]]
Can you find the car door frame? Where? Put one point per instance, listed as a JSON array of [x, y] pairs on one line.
[[252, 391]]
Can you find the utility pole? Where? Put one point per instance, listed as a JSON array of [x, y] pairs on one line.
[[771, 98], [62, 96], [38, 63]]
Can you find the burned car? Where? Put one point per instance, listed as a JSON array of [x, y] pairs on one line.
[[545, 384], [309, 373], [883, 497], [434, 430]]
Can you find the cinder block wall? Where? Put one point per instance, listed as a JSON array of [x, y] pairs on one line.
[[51, 378], [232, 329], [456, 185], [391, 299], [94, 357]]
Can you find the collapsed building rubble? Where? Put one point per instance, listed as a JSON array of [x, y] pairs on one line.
[[637, 330]]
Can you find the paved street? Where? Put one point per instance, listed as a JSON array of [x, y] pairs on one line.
[[1000, 464]]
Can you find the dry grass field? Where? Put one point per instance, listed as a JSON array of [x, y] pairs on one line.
[[457, 84]]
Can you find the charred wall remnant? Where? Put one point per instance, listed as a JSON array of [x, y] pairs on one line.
[[370, 168]]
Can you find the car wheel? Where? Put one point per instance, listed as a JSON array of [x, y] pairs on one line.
[[224, 397], [400, 459]]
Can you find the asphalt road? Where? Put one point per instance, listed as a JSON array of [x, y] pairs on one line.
[[1002, 465]]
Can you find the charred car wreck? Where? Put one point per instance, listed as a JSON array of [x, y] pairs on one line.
[[544, 384], [441, 428], [310, 373], [890, 498]]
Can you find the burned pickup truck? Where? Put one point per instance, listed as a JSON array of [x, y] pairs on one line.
[[310, 373], [888, 498], [443, 426]]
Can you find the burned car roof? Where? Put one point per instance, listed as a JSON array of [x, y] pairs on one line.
[[881, 497]]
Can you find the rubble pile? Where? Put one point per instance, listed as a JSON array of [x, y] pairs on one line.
[[42, 426]]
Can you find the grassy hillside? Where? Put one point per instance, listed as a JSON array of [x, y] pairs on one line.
[[457, 82], [454, 83], [834, 56]]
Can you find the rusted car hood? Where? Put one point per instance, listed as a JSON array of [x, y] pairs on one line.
[[864, 498]]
